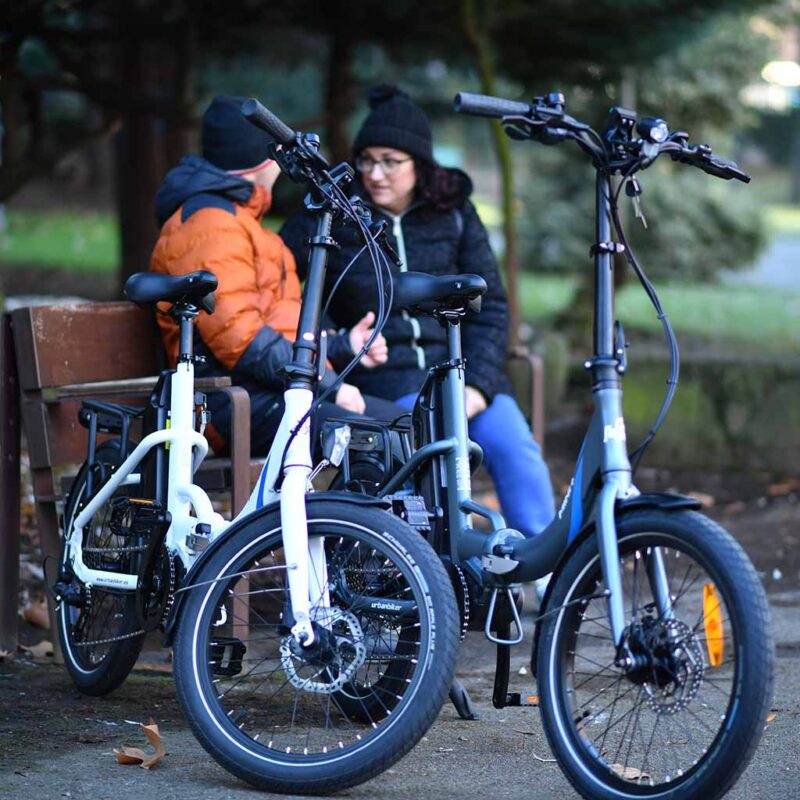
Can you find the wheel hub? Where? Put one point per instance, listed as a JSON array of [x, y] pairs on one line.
[[334, 658], [667, 662]]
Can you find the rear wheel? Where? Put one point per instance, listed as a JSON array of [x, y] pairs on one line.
[[683, 717], [315, 721], [98, 628]]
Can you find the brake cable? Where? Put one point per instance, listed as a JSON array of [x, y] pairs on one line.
[[672, 343]]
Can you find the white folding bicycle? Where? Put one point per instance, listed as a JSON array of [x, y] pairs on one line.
[[315, 635]]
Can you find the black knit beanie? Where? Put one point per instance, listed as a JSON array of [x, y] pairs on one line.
[[230, 142], [395, 121]]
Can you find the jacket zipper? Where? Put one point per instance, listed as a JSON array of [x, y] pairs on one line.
[[397, 230]]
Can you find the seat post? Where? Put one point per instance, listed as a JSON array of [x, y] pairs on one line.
[[453, 328], [454, 424], [185, 315]]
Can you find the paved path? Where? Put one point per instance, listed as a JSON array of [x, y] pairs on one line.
[[777, 268], [503, 756]]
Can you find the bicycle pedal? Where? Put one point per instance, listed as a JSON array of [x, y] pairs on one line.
[[519, 699], [134, 516], [68, 594]]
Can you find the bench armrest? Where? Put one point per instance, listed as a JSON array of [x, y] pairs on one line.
[[532, 391], [239, 445], [134, 386]]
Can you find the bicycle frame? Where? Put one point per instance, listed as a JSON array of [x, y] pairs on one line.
[[193, 519], [603, 474]]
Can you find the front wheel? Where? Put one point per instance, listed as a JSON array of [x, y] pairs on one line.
[[317, 720], [683, 717]]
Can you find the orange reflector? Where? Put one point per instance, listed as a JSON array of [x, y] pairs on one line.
[[712, 619], [533, 699]]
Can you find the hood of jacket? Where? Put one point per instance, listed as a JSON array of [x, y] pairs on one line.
[[192, 176]]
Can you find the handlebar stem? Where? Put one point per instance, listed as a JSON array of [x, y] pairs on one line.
[[604, 271], [302, 369]]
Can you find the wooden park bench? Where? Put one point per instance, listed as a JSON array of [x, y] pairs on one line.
[[52, 357]]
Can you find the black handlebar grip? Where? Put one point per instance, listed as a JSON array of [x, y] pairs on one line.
[[727, 169], [263, 118], [484, 105]]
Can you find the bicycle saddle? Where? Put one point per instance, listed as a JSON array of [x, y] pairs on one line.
[[431, 293], [196, 288]]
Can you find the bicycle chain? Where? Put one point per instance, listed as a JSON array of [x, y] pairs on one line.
[[127, 549], [110, 640], [173, 580]]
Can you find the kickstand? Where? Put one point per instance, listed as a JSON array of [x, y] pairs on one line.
[[462, 701], [501, 697], [503, 667]]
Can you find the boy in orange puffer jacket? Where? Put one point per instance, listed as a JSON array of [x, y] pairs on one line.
[[210, 210]]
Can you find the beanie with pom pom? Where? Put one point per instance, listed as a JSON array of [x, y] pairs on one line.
[[395, 121]]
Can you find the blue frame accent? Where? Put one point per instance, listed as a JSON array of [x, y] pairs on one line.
[[576, 510]]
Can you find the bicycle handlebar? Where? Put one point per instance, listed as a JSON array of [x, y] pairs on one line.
[[263, 118], [484, 105], [549, 124], [717, 166]]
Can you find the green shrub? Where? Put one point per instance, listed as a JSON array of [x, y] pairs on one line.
[[697, 225]]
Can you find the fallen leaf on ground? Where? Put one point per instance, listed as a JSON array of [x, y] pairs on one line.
[[153, 666], [735, 507], [783, 487], [705, 500], [630, 773], [771, 716], [36, 614], [42, 652], [135, 755]]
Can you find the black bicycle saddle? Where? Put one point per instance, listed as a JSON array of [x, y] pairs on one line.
[[431, 293], [196, 288]]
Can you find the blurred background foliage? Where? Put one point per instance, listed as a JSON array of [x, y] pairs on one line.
[[100, 98]]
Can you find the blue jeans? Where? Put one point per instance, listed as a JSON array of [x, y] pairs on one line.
[[514, 461]]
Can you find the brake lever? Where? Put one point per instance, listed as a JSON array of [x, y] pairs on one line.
[[378, 230]]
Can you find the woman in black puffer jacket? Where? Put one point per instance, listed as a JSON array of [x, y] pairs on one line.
[[434, 228]]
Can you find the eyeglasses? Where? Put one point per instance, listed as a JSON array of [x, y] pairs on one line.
[[388, 166]]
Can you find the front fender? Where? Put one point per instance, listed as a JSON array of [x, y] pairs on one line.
[[351, 498], [668, 501]]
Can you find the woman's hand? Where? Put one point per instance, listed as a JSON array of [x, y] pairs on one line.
[[350, 397], [378, 352], [476, 402]]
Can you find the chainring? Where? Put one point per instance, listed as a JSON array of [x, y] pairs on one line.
[[461, 589]]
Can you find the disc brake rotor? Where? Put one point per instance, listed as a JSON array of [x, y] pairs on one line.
[[348, 653], [685, 667]]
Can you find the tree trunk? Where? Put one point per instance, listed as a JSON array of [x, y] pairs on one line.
[[181, 125], [483, 61], [139, 166], [338, 94]]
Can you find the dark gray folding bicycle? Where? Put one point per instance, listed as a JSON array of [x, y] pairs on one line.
[[653, 650], [315, 636]]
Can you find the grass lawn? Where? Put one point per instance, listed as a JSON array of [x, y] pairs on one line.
[[750, 318], [783, 218], [76, 241], [87, 242]]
